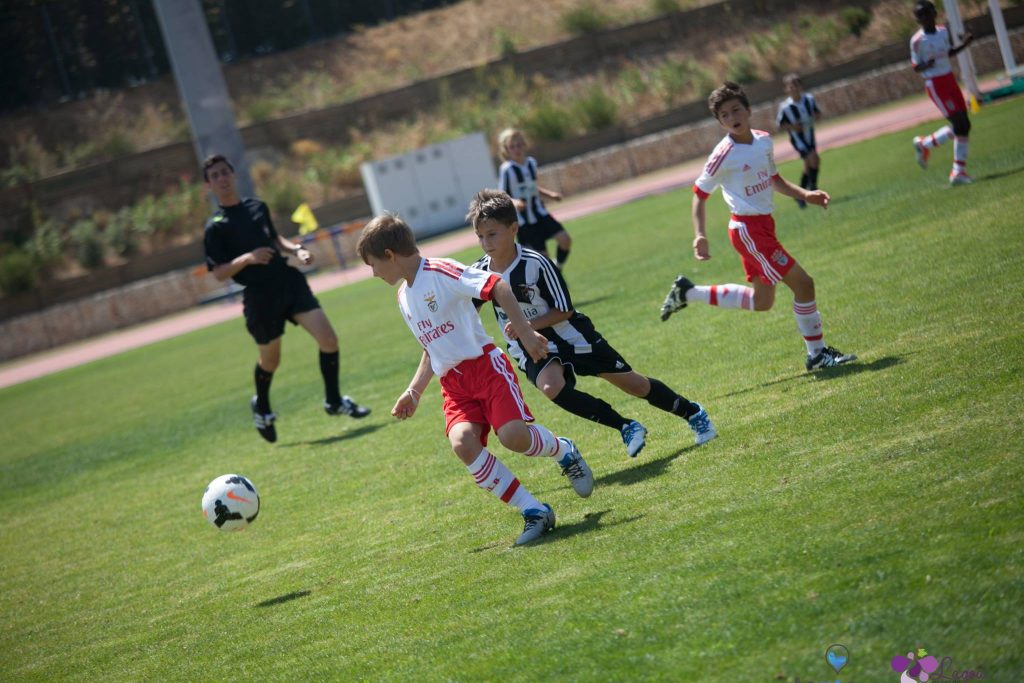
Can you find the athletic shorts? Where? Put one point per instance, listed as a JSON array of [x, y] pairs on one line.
[[483, 390], [534, 235], [601, 360], [763, 257], [945, 93], [268, 306]]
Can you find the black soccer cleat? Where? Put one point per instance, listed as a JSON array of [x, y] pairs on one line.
[[346, 407], [264, 422], [828, 357], [676, 299]]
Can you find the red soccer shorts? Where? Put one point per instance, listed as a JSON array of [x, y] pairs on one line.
[[763, 257], [945, 93], [483, 390]]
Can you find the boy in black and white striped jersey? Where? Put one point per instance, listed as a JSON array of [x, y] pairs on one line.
[[574, 348], [797, 116], [517, 177]]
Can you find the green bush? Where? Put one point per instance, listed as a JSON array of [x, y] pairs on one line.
[[506, 43], [596, 110], [283, 195], [741, 68], [547, 121], [119, 234], [659, 7], [46, 245], [856, 19], [86, 243], [17, 272], [116, 145], [773, 47], [823, 36], [584, 20]]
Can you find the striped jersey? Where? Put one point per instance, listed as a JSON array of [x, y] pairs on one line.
[[539, 287], [800, 112], [744, 172], [927, 46], [519, 181], [439, 310]]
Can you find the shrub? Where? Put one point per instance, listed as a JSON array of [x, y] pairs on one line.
[[773, 48], [506, 44], [46, 245], [17, 272], [86, 243], [659, 7], [283, 195], [116, 145], [584, 20], [596, 109], [856, 19], [547, 121], [741, 68], [119, 234], [823, 36]]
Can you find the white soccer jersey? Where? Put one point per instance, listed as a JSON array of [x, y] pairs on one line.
[[438, 308], [745, 173], [927, 46], [519, 181], [800, 112]]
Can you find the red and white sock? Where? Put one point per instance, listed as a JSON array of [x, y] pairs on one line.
[[543, 442], [723, 296], [939, 137], [492, 475], [808, 321], [960, 145]]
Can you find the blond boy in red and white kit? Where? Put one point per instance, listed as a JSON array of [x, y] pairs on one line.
[[743, 165], [930, 50], [478, 383]]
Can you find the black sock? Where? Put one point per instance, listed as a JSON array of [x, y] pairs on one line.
[[813, 178], [561, 255], [669, 401], [589, 408], [263, 380], [804, 179], [329, 370]]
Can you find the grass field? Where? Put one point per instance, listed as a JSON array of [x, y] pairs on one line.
[[877, 505]]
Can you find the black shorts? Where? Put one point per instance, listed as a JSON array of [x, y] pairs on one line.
[[805, 152], [602, 359], [268, 306], [534, 235]]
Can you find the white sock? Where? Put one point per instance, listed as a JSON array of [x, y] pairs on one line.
[[939, 137], [960, 145], [723, 296], [543, 442], [808, 321], [492, 475]]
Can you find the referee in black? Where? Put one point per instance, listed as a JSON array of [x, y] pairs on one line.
[[241, 243]]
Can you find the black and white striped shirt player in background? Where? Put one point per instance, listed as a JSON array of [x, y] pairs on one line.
[[575, 348], [518, 178], [797, 116]]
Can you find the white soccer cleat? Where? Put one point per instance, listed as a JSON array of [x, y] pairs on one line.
[[634, 435], [701, 425], [576, 468], [922, 152], [960, 178], [537, 523]]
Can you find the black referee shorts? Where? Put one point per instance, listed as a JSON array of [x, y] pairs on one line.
[[534, 235], [602, 359], [268, 306]]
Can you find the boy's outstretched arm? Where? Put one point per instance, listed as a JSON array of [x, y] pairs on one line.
[[968, 38], [406, 404], [534, 343], [700, 239], [817, 197]]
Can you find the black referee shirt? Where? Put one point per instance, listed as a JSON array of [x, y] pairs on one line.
[[235, 230]]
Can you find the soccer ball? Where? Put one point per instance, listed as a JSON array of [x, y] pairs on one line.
[[231, 502]]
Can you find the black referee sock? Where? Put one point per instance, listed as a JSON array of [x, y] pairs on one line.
[[669, 401], [263, 380], [329, 363], [812, 178], [804, 179], [561, 255], [589, 408]]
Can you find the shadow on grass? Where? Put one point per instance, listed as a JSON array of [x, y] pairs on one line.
[[295, 595], [825, 374], [650, 468], [588, 302], [358, 431], [1001, 174], [591, 522]]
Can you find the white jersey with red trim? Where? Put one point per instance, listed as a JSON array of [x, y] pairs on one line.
[[438, 308], [928, 46], [744, 172]]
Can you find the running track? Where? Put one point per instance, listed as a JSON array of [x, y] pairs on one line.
[[830, 135]]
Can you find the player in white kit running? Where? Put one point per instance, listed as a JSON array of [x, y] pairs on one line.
[[930, 50], [743, 164], [478, 383]]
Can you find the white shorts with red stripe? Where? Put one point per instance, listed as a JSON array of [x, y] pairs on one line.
[[945, 92], [483, 390], [763, 257]]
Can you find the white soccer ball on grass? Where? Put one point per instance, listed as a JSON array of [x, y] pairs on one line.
[[231, 502]]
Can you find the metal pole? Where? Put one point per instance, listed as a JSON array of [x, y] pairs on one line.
[[147, 50], [201, 85], [65, 82], [1004, 38], [956, 32]]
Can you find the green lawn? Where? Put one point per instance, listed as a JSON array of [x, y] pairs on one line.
[[877, 505]]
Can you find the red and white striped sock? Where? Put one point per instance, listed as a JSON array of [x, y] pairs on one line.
[[939, 137], [543, 442], [808, 321], [723, 296], [492, 475], [960, 145]]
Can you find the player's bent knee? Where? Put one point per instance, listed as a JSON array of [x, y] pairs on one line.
[[515, 436]]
